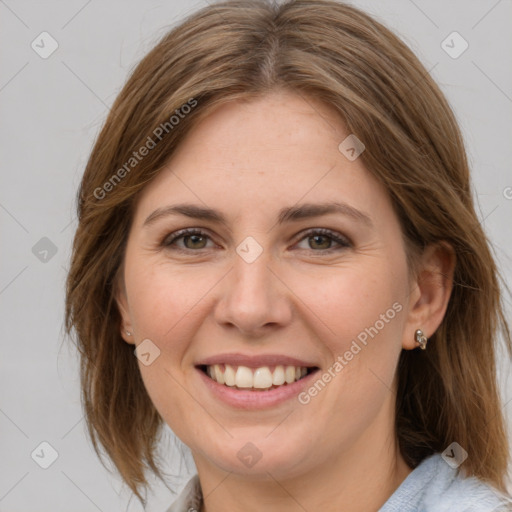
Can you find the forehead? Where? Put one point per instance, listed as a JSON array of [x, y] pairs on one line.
[[279, 124], [275, 151]]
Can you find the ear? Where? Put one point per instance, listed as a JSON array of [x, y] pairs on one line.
[[122, 304], [430, 292]]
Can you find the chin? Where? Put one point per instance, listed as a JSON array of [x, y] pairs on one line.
[[259, 456]]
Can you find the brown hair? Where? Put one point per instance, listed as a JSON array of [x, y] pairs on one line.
[[336, 53]]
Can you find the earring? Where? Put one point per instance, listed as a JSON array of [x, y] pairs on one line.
[[421, 339], [128, 333]]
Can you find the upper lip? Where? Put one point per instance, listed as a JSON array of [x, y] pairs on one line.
[[253, 361]]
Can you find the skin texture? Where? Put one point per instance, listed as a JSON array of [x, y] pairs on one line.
[[304, 297]]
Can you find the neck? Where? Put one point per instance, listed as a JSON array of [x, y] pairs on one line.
[[351, 491], [360, 479]]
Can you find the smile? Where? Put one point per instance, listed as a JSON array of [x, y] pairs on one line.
[[263, 378], [255, 381]]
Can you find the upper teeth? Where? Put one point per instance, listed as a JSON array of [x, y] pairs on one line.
[[259, 378]]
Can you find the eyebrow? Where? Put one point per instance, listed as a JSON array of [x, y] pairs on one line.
[[287, 214]]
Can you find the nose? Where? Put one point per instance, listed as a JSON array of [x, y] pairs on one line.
[[254, 298]]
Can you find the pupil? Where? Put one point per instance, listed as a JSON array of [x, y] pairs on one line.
[[194, 238], [319, 237]]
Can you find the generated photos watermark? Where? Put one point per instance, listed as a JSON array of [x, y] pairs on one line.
[[342, 360], [137, 156]]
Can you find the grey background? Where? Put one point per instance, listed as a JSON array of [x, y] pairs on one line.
[[51, 110]]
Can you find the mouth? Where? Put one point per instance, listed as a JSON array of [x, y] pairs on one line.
[[263, 378]]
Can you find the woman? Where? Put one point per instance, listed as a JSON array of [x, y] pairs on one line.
[[277, 220]]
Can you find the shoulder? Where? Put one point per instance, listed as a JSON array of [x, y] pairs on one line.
[[466, 495], [434, 486], [190, 498]]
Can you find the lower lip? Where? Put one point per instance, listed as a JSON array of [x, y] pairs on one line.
[[247, 399]]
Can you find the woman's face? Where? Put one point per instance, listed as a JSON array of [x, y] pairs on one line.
[[273, 287]]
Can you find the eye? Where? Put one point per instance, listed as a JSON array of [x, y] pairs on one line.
[[322, 240], [192, 238]]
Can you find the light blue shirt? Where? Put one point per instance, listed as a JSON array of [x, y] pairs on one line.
[[433, 486]]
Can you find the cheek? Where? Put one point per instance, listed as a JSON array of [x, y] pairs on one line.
[[165, 306], [165, 301], [352, 302], [359, 313]]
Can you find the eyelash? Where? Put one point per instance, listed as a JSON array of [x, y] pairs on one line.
[[343, 242]]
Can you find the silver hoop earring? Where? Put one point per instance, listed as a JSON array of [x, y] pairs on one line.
[[421, 339]]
